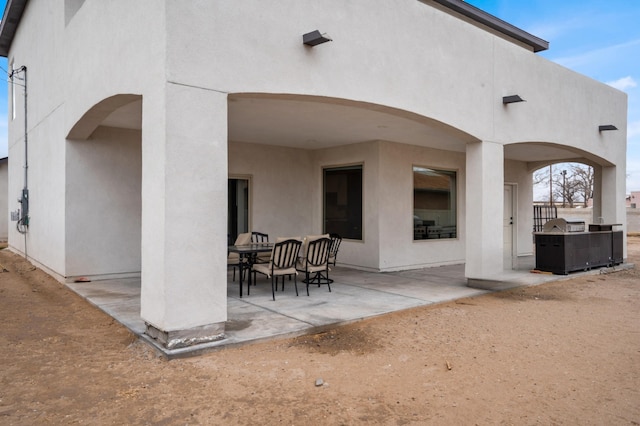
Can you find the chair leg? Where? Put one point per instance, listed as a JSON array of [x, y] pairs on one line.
[[295, 282], [273, 288], [307, 281]]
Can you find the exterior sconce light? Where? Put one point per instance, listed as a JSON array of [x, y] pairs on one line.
[[607, 127], [314, 38], [512, 99]]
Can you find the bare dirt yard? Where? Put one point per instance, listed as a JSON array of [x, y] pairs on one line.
[[562, 353]]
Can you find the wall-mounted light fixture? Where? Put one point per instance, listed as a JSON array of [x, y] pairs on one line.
[[314, 38], [512, 99], [607, 127]]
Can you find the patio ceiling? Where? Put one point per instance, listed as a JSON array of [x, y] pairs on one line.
[[539, 152], [316, 123], [312, 123]]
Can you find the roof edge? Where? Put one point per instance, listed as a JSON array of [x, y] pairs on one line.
[[8, 26], [15, 8], [495, 23]]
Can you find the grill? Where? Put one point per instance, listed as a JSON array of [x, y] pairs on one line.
[[563, 225], [564, 246]]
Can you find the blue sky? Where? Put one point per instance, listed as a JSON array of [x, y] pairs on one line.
[[4, 149], [597, 38]]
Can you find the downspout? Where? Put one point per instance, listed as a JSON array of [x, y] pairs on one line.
[[26, 135]]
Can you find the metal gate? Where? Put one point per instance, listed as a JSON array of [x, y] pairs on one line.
[[541, 214]]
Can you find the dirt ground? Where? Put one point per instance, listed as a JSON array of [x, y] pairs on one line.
[[562, 353]]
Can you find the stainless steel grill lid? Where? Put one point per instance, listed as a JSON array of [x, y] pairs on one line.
[[563, 225]]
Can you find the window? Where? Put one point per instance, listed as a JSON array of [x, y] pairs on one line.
[[343, 201], [434, 204]]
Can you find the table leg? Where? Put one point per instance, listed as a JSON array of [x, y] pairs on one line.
[[249, 266], [241, 272]]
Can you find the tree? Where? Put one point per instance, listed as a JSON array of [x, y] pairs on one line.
[[541, 183], [584, 178], [567, 183]]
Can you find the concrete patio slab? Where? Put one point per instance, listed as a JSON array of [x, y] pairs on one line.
[[355, 295]]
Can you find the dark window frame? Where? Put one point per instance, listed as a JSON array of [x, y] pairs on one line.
[[435, 203], [342, 208]]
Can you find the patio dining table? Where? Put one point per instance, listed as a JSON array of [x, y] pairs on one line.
[[248, 253]]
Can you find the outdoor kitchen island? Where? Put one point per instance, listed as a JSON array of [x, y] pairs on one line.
[[565, 247]]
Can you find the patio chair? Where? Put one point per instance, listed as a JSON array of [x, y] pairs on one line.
[[233, 259], [315, 263], [307, 240], [335, 245], [283, 262], [260, 237]]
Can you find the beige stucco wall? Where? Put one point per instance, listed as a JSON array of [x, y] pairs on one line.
[[387, 197], [586, 215], [4, 199], [103, 221], [633, 220], [75, 79], [581, 214], [281, 186], [366, 253], [395, 187]]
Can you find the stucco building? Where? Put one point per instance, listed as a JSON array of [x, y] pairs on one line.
[[4, 200], [157, 127]]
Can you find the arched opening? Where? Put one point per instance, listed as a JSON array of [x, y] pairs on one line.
[[569, 185], [531, 192], [103, 190]]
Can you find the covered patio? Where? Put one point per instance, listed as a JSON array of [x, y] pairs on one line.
[[382, 143], [355, 295]]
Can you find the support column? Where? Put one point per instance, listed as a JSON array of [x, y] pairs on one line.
[[484, 211], [597, 194], [609, 196], [184, 199]]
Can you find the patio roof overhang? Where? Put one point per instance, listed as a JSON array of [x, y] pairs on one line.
[[309, 122], [315, 123]]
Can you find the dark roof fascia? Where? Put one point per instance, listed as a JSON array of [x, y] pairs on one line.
[[10, 19], [4, 158], [495, 23]]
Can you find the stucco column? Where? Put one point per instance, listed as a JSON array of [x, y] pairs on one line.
[[609, 198], [597, 193], [484, 211], [184, 209]]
